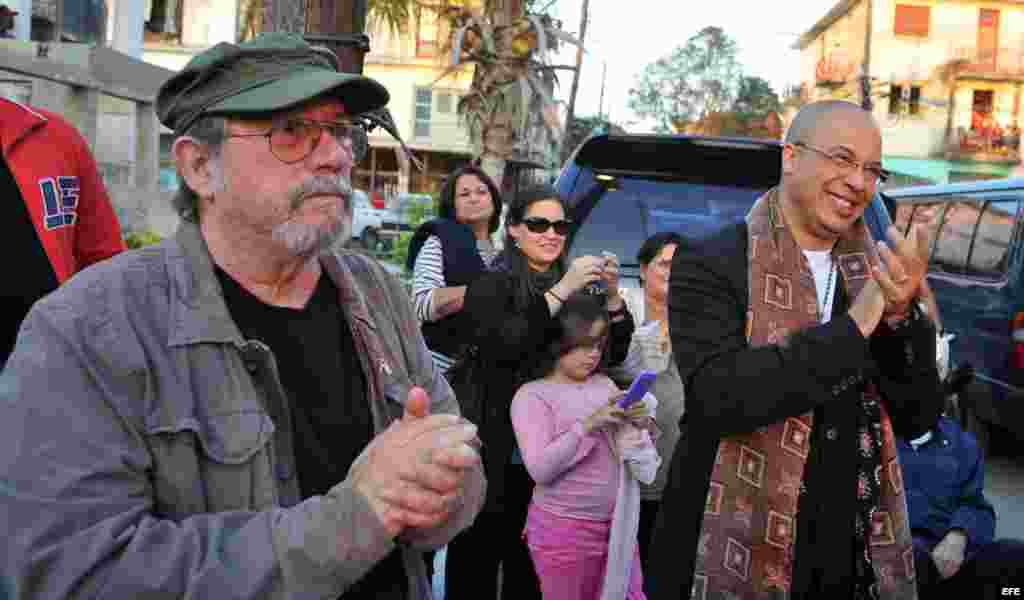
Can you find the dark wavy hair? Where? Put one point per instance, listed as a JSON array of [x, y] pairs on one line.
[[653, 246], [526, 282], [571, 329], [446, 203]]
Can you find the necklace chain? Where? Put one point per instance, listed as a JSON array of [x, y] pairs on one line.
[[829, 288]]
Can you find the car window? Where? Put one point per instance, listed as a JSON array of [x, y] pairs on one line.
[[970, 235], [638, 208]]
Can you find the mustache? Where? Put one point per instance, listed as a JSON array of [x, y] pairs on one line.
[[319, 185]]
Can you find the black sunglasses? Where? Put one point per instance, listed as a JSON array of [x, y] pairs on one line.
[[540, 225]]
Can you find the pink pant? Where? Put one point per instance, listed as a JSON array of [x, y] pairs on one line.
[[570, 556]]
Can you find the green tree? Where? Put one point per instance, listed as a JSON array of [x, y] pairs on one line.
[[418, 213], [696, 79], [583, 127], [139, 239], [756, 97]]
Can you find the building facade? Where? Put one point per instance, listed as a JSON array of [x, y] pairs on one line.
[[424, 106], [407, 62], [945, 77]]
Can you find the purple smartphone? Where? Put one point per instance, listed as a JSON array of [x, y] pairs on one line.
[[636, 392]]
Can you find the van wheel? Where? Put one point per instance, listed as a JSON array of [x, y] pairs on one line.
[[370, 239]]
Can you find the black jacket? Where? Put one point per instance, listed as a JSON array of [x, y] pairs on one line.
[[508, 340], [732, 388], [462, 264]]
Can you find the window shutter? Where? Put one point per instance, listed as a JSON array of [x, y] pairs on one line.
[[912, 20]]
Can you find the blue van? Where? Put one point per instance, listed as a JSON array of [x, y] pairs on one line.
[[975, 270]]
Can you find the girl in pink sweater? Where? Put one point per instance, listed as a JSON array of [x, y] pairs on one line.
[[585, 455]]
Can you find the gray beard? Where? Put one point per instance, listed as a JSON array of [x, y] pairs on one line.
[[309, 240]]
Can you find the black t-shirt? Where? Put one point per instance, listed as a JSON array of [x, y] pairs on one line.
[[320, 371], [20, 243]]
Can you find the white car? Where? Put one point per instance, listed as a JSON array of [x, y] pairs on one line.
[[374, 228]]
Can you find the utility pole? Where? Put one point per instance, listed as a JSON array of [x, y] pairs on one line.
[[341, 27], [865, 74], [604, 76], [570, 113]]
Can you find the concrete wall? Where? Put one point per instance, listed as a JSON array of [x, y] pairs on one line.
[[139, 209], [108, 97]]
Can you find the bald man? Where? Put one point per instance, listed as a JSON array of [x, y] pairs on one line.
[[802, 347]]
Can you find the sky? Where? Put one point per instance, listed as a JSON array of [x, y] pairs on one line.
[[629, 34]]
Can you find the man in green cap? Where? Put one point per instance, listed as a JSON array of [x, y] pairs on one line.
[[241, 411]]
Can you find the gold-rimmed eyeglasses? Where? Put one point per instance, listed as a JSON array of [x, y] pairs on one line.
[[293, 140], [847, 164]]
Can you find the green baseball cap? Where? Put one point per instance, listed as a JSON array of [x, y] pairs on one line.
[[272, 72]]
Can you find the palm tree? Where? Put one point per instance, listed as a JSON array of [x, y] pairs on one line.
[[507, 47], [395, 14], [509, 97]]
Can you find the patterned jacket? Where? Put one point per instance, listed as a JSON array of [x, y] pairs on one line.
[[146, 447]]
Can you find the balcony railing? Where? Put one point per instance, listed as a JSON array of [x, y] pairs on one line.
[[1002, 63], [445, 135], [984, 145], [953, 48], [834, 68]]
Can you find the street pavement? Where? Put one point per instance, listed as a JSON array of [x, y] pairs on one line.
[[1004, 487]]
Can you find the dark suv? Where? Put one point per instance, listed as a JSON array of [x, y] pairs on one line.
[[621, 189]]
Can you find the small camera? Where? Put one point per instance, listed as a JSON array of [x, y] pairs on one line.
[[596, 288]]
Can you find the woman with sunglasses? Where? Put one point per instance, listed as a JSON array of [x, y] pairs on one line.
[[447, 253], [513, 313]]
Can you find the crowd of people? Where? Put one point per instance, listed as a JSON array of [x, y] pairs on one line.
[[245, 411]]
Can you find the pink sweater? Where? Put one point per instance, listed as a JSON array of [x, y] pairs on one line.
[[577, 475]]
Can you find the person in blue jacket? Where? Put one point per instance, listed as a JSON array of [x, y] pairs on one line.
[[953, 524]]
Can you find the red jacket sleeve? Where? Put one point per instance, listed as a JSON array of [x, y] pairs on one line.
[[98, 233]]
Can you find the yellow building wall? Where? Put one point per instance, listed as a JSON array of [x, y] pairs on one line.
[[842, 47], [953, 34], [912, 61], [393, 62], [447, 133]]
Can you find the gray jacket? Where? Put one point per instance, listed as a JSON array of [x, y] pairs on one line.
[[649, 351], [146, 447]]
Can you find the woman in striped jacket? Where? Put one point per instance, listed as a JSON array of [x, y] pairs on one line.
[[448, 253]]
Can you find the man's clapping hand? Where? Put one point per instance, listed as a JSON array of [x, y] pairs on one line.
[[894, 284], [413, 472]]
